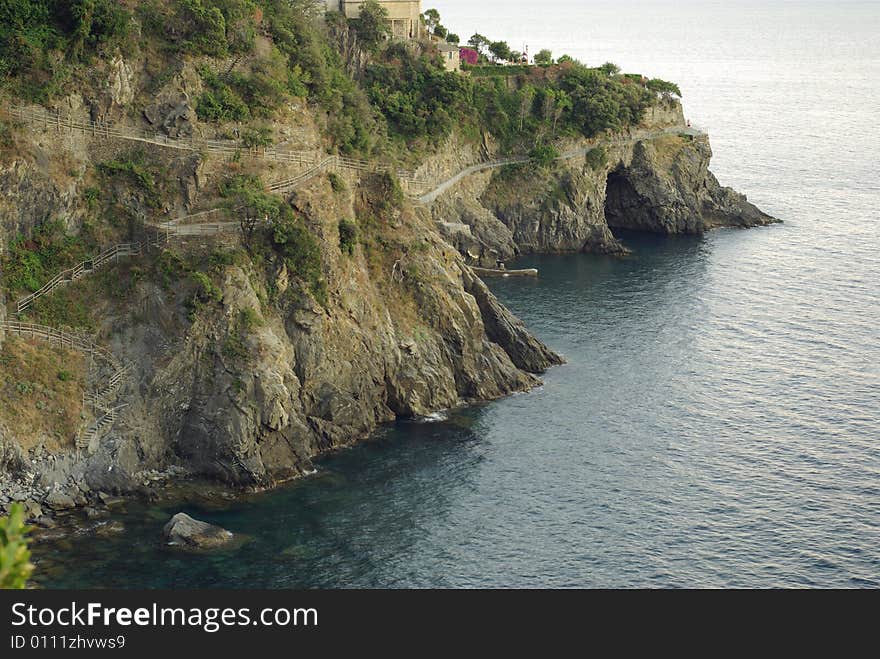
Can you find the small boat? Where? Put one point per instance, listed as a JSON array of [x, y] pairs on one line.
[[503, 272]]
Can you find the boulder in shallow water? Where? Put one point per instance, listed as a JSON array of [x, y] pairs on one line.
[[184, 531], [57, 500]]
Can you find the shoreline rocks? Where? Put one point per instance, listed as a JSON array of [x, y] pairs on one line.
[[186, 532]]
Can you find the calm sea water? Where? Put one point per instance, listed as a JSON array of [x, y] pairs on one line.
[[718, 421]]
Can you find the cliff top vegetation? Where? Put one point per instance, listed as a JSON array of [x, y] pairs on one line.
[[254, 55]]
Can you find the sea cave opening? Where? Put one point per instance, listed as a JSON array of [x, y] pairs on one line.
[[625, 208]]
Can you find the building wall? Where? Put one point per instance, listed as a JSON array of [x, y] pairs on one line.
[[451, 57], [405, 15]]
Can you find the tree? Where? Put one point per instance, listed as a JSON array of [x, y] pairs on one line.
[[432, 19], [203, 27], [15, 563], [544, 57], [246, 197], [526, 99], [561, 103], [500, 51], [453, 38], [565, 58], [372, 24], [478, 42], [543, 155], [663, 87], [440, 31], [610, 69]]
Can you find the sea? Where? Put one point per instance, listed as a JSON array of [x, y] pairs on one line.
[[717, 423]]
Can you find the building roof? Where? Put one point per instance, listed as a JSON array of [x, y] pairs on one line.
[[447, 47]]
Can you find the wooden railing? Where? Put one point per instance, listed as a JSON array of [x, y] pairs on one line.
[[108, 130], [97, 429], [415, 186], [60, 337], [100, 399], [312, 159], [341, 163], [112, 253]]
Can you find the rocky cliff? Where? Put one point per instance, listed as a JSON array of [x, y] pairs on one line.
[[246, 374], [656, 179], [244, 366]]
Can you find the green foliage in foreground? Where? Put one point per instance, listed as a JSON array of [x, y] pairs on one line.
[[15, 563]]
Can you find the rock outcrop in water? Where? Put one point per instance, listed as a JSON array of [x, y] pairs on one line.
[[659, 183], [187, 533]]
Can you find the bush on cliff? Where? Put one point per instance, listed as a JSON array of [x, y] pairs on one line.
[[31, 261], [295, 244]]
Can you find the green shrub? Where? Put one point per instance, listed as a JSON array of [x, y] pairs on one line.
[[494, 70], [293, 241], [65, 376], [337, 183], [15, 563], [202, 27], [234, 347], [39, 39], [169, 267], [235, 96], [136, 169], [5, 135], [206, 289], [596, 158], [68, 306], [417, 96], [348, 236], [219, 102], [91, 195], [31, 262], [247, 195], [249, 318], [256, 136], [544, 155], [663, 87]]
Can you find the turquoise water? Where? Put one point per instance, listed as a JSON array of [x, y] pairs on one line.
[[717, 422]]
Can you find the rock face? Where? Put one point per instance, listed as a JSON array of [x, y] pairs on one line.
[[660, 184], [406, 329], [666, 187], [249, 386], [415, 334], [173, 116], [188, 533]]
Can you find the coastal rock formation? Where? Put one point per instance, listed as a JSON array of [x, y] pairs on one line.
[[246, 384], [659, 183], [187, 533], [246, 361]]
